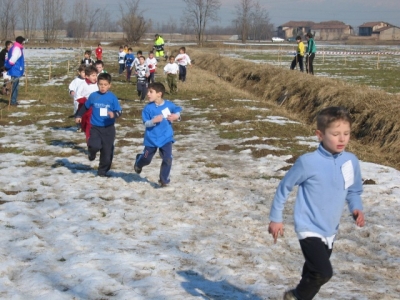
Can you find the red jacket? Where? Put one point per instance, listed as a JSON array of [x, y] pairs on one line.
[[99, 53]]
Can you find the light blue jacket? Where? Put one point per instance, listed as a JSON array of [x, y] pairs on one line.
[[321, 193], [161, 133]]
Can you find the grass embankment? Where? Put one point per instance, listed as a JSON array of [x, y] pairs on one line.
[[212, 85], [376, 113]]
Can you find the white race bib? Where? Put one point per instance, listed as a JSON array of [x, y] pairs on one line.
[[348, 174], [103, 112], [166, 112]]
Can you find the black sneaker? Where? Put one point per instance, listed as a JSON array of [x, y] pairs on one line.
[[289, 295], [91, 156], [137, 169], [104, 175], [162, 184]]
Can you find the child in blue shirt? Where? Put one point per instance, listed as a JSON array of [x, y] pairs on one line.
[[105, 109], [129, 59], [327, 178], [158, 116]]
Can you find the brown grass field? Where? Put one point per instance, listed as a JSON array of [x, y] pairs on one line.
[[216, 80]]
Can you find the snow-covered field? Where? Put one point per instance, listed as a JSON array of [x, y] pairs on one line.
[[67, 234]]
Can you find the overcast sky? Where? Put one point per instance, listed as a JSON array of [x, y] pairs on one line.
[[352, 12]]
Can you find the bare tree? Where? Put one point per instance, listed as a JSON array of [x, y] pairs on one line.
[[198, 13], [132, 22], [76, 27], [52, 18], [261, 27], [29, 12], [8, 19], [243, 18]]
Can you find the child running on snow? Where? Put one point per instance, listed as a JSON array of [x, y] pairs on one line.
[[106, 109], [157, 117], [327, 178], [88, 86], [74, 85]]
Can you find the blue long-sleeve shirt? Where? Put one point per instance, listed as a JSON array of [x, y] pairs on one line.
[[326, 182], [158, 134]]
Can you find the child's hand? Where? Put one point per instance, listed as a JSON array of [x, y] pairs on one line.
[[78, 120], [173, 117], [111, 114], [158, 119], [274, 229], [358, 216]]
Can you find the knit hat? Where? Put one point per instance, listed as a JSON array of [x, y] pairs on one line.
[[20, 39]]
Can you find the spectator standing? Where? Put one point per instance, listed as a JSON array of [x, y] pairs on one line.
[[299, 55], [15, 66], [159, 46], [311, 50], [7, 79], [3, 53]]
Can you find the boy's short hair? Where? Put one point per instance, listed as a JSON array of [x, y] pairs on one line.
[[89, 52], [121, 47], [141, 56], [331, 114], [8, 43], [129, 49], [99, 62], [309, 35], [171, 56], [158, 87], [81, 68], [90, 70], [298, 38], [104, 76], [139, 52], [183, 49], [151, 52]]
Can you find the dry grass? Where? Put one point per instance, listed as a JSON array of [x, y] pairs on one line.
[[376, 113]]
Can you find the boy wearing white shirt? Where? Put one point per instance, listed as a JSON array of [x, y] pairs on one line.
[[172, 71], [183, 60], [151, 62]]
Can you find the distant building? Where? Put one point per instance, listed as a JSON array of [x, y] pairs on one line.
[[294, 28], [368, 28], [380, 31], [331, 30]]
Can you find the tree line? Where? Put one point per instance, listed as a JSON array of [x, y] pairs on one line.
[[82, 21]]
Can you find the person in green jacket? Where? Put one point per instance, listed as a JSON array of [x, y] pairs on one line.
[[311, 49], [159, 46]]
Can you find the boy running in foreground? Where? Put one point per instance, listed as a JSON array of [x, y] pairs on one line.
[[326, 178], [158, 116], [105, 109]]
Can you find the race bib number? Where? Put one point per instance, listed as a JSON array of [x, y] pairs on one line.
[[103, 112], [348, 174]]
